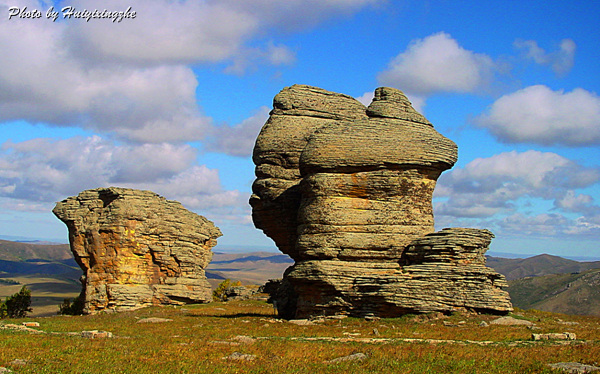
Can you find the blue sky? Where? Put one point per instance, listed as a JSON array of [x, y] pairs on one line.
[[172, 100]]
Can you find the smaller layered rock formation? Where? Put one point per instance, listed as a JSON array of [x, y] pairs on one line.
[[346, 191], [137, 249]]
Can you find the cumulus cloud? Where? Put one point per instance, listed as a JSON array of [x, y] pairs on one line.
[[41, 82], [163, 32], [561, 61], [249, 59], [46, 170], [537, 114], [196, 31], [366, 98], [487, 186], [497, 192], [574, 202], [436, 64], [585, 226], [541, 224], [133, 79], [238, 140], [548, 225]]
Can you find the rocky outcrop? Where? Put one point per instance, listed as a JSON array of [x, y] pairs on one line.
[[298, 111], [137, 249], [346, 191]]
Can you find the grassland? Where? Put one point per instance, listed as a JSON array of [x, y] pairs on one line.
[[48, 291], [199, 338]]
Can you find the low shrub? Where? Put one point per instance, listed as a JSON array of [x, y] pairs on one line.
[[72, 308], [17, 305], [220, 293]]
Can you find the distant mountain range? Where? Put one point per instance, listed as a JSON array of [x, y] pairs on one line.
[[250, 268], [515, 268], [541, 282]]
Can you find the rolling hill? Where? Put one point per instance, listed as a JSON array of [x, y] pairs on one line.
[[515, 268], [572, 293], [249, 268], [543, 282], [17, 251]]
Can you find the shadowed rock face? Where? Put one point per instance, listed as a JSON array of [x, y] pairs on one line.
[[346, 191], [137, 249]]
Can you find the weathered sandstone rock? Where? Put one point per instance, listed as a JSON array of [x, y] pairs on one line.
[[346, 191], [137, 249], [555, 335], [298, 111], [574, 367]]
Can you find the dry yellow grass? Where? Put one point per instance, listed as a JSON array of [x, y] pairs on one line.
[[200, 338]]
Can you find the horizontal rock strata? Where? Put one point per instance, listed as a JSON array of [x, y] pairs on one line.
[[137, 249], [346, 191], [456, 279], [298, 111]]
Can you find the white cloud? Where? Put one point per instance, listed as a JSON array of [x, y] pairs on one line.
[[196, 31], [293, 15], [133, 79], [41, 82], [487, 186], [541, 224], [44, 170], [539, 115], [561, 61], [436, 64], [366, 98], [238, 140], [585, 226], [548, 225], [574, 202], [250, 58], [507, 193], [280, 55], [163, 32]]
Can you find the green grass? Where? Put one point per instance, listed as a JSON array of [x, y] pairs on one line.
[[201, 335]]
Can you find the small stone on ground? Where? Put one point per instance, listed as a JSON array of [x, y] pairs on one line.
[[19, 362], [352, 357], [154, 320], [574, 367], [244, 339], [511, 321], [95, 334], [237, 356]]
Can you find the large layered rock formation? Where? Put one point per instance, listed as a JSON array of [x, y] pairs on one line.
[[137, 249], [298, 111], [346, 191]]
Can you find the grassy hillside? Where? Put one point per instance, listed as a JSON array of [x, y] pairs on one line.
[[47, 291], [515, 268], [16, 251], [40, 267], [575, 293], [245, 337], [250, 268]]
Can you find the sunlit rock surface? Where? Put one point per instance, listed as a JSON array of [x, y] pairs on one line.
[[346, 191], [137, 249]]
